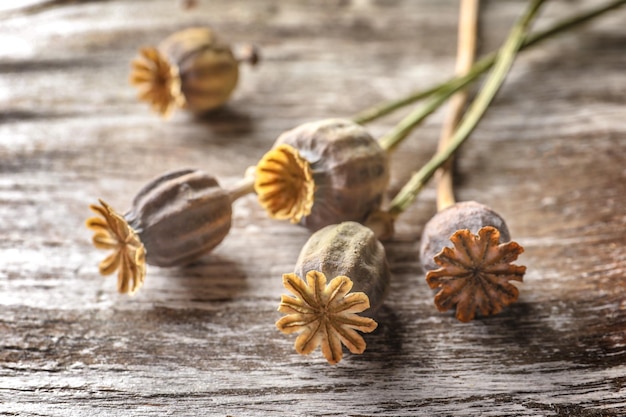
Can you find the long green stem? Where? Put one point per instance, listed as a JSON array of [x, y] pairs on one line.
[[400, 131], [502, 65], [448, 88], [438, 95]]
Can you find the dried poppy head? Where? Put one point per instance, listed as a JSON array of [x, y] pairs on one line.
[[326, 314], [191, 69], [175, 219], [323, 173], [474, 273], [180, 216]]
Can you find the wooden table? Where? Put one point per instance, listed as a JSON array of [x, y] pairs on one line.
[[549, 156]]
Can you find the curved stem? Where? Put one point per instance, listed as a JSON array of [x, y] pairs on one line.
[[504, 60], [466, 49], [480, 66]]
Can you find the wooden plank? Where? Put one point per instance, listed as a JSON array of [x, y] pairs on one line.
[[549, 156]]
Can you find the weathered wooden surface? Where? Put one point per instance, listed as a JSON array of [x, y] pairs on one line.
[[550, 157]]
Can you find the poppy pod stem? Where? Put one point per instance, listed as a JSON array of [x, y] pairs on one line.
[[249, 54], [244, 187], [479, 106], [466, 49], [441, 92]]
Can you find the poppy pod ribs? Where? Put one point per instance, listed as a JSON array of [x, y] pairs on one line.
[[191, 69], [323, 173], [174, 220], [467, 253], [326, 313], [180, 216]]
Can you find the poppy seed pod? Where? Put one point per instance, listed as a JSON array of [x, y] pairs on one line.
[[472, 274], [349, 249], [326, 314], [174, 220], [464, 215], [192, 69], [323, 173], [180, 216]]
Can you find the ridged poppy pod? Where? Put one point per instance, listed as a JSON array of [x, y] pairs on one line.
[[352, 250], [463, 215], [467, 253], [180, 217], [191, 69], [350, 255], [323, 173], [174, 220]]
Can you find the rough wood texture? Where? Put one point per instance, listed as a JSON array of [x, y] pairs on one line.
[[549, 156]]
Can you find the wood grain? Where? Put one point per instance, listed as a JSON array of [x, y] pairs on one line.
[[550, 156]]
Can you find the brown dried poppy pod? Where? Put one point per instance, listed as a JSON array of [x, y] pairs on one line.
[[174, 220], [180, 216], [463, 215], [326, 313], [192, 69], [467, 253], [323, 173]]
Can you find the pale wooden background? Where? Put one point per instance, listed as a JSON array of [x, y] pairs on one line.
[[549, 156]]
